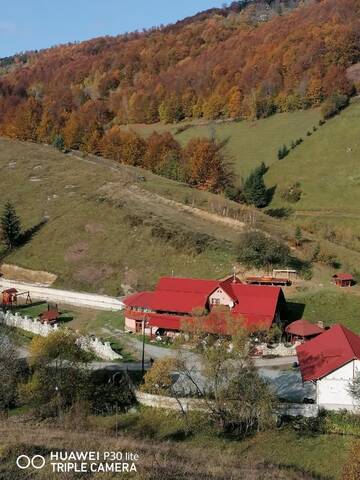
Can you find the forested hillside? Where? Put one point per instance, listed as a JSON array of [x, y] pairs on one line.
[[238, 61]]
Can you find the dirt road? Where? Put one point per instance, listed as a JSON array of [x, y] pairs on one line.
[[67, 297]]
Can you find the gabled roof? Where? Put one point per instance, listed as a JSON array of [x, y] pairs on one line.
[[303, 328], [141, 300], [343, 276], [169, 322], [181, 302], [256, 305], [256, 299], [49, 315], [327, 352]]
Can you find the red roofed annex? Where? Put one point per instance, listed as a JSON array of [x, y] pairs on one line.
[[174, 301], [331, 361]]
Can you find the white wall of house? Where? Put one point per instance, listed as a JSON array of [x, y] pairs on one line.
[[332, 390], [220, 297], [130, 324]]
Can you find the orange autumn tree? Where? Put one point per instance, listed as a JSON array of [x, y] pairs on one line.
[[206, 166], [123, 147]]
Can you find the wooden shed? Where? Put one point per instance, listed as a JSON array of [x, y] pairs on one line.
[[343, 279]]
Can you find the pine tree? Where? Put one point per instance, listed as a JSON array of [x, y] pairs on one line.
[[10, 226], [282, 152], [58, 142], [255, 190]]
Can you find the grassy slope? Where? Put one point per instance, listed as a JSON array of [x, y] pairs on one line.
[[91, 246], [328, 171], [248, 142], [279, 455], [89, 241]]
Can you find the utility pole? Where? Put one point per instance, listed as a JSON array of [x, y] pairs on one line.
[[143, 348]]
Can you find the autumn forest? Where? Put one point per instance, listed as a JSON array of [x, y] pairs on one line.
[[248, 60]]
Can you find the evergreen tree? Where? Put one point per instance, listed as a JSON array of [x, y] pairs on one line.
[[59, 143], [255, 191], [282, 152], [10, 226]]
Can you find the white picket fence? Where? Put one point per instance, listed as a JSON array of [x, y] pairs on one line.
[[101, 349]]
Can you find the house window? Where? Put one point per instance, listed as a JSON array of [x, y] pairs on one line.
[[215, 301]]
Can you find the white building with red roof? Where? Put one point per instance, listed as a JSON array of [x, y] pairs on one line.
[[174, 301], [331, 360]]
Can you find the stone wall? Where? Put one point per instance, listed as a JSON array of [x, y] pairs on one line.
[[279, 351], [170, 403], [101, 349]]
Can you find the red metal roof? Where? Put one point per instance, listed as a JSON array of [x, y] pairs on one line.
[[177, 302], [343, 276], [327, 352], [303, 328], [10, 290], [256, 299], [50, 315], [256, 305], [169, 322], [141, 300]]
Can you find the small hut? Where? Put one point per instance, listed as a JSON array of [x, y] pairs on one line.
[[50, 316], [343, 279], [303, 330], [9, 298]]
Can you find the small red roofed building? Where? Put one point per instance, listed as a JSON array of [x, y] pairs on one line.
[[331, 361], [303, 330], [51, 316], [343, 279], [173, 302]]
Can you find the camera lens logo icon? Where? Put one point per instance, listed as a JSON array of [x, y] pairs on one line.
[[37, 462]]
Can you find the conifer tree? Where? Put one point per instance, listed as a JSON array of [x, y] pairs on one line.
[[10, 226], [255, 190]]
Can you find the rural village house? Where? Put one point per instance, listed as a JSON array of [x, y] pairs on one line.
[[331, 360], [176, 299]]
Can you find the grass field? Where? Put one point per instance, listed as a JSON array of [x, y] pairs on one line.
[[99, 219], [248, 143], [330, 306], [101, 215], [158, 438]]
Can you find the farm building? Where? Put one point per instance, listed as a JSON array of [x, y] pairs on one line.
[[343, 279], [174, 301], [302, 330], [263, 280], [331, 360]]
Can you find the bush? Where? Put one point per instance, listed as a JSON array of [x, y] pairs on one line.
[[292, 194], [257, 250], [325, 257], [334, 104], [184, 240]]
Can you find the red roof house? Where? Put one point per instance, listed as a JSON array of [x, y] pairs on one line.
[[303, 329], [343, 279], [328, 352], [175, 300]]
